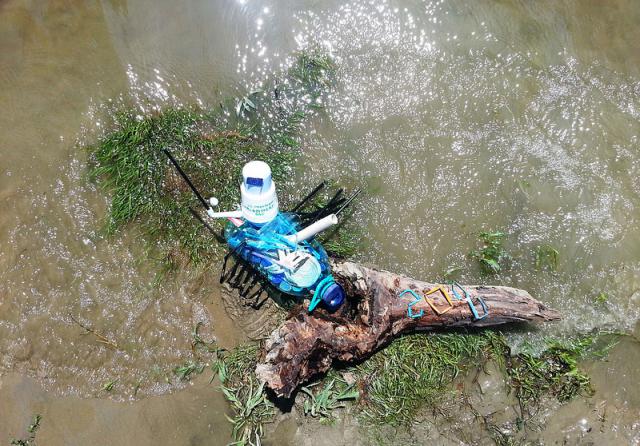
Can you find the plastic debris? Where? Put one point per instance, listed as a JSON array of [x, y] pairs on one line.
[[410, 312]]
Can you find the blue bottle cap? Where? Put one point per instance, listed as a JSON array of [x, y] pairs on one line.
[[333, 296]]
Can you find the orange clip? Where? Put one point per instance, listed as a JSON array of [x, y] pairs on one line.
[[445, 293]]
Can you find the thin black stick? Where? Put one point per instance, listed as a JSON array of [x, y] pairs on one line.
[[349, 200], [309, 196], [218, 237], [186, 178], [328, 209]]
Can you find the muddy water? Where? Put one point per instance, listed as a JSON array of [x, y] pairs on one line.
[[457, 116]]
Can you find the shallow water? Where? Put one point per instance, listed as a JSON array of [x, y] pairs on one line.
[[457, 117]]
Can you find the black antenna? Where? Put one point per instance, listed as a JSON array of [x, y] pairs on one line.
[[329, 208], [218, 237], [349, 200], [186, 178], [309, 196]]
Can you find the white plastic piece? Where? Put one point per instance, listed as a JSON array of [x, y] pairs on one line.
[[307, 274], [228, 214], [213, 201], [313, 229], [259, 202]]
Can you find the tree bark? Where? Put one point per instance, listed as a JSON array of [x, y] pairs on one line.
[[306, 344]]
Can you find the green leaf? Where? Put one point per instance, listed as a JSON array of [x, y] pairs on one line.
[[491, 263], [108, 387]]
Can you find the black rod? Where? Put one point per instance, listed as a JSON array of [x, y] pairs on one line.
[[218, 237], [349, 200], [309, 196], [186, 178]]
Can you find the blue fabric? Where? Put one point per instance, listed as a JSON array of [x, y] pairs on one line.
[[260, 245]]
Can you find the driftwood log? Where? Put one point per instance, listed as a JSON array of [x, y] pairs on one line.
[[306, 344]]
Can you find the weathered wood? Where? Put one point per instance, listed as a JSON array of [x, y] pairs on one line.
[[306, 344]]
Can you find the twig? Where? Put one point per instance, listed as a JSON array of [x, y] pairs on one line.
[[102, 339]]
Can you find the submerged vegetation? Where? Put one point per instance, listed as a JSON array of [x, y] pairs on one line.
[[248, 399], [414, 371], [212, 146], [30, 440], [328, 395], [546, 257], [396, 385], [555, 371], [492, 254]]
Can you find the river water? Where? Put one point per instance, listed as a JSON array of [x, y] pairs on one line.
[[457, 117]]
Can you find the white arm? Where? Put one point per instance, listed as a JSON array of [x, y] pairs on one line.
[[229, 214], [313, 229]]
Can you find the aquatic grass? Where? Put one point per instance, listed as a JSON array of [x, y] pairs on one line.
[[546, 256], [251, 407], [452, 272], [414, 371], [343, 240], [342, 243], [602, 298], [492, 254], [555, 372], [108, 386], [30, 440], [325, 396], [212, 147], [198, 342], [145, 190], [184, 372], [313, 69], [245, 105], [252, 410]]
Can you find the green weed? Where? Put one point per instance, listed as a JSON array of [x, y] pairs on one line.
[[546, 257], [245, 105], [602, 298], [344, 241], [313, 69], [331, 394], [414, 371], [184, 372], [35, 424], [452, 272], [555, 371], [249, 402], [30, 440], [108, 387], [492, 254], [197, 341]]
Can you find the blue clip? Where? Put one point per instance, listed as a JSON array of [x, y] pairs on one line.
[[317, 293], [476, 316], [475, 312], [411, 304], [455, 284]]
